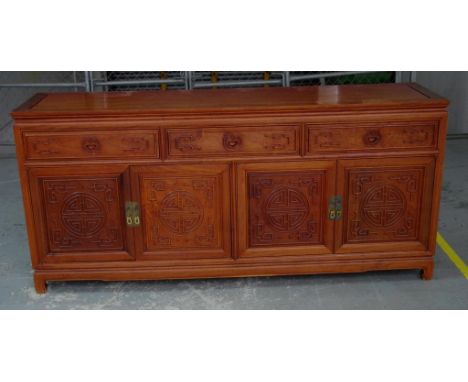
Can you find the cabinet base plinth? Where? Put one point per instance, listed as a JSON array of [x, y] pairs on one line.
[[427, 272], [41, 277], [40, 283]]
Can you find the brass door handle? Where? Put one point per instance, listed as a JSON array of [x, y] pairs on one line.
[[335, 208], [132, 214]]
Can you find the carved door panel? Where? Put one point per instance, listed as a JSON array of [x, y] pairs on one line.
[[386, 202], [185, 211], [79, 213], [282, 208]]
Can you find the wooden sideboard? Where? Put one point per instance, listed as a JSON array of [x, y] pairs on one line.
[[230, 183]]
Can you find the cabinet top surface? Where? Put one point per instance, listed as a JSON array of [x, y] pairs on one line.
[[186, 102]]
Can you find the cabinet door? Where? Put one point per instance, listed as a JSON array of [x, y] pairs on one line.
[[387, 204], [185, 211], [282, 208], [79, 213]]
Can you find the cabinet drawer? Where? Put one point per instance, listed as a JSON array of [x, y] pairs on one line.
[[371, 136], [234, 141], [76, 145]]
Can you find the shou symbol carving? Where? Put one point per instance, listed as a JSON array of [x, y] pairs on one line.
[[181, 212], [82, 214], [383, 205], [286, 209]]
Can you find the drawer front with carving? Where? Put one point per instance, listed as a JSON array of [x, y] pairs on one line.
[[283, 208], [79, 213], [387, 204], [235, 141], [77, 145], [367, 136], [185, 211]]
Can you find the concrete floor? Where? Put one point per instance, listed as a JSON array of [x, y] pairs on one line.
[[375, 290]]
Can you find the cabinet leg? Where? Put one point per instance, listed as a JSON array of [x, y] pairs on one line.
[[40, 284], [427, 272]]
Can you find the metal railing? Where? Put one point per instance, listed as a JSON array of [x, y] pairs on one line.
[[90, 83], [190, 81]]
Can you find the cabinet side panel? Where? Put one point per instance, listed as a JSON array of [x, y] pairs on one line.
[[26, 195], [438, 177]]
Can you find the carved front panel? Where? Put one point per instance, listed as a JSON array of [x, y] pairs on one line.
[[100, 144], [233, 141], [384, 205], [371, 136], [83, 214], [285, 208], [182, 212]]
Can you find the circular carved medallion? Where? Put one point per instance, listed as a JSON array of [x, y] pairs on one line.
[[383, 205], [83, 215], [181, 212], [286, 209]]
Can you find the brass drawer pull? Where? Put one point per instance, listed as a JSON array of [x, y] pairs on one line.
[[90, 144], [232, 142], [372, 138]]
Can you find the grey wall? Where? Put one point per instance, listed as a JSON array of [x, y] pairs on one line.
[[454, 86]]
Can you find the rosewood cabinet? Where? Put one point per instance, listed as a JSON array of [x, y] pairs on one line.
[[229, 183]]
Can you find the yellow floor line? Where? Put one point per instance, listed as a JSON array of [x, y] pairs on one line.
[[452, 255]]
